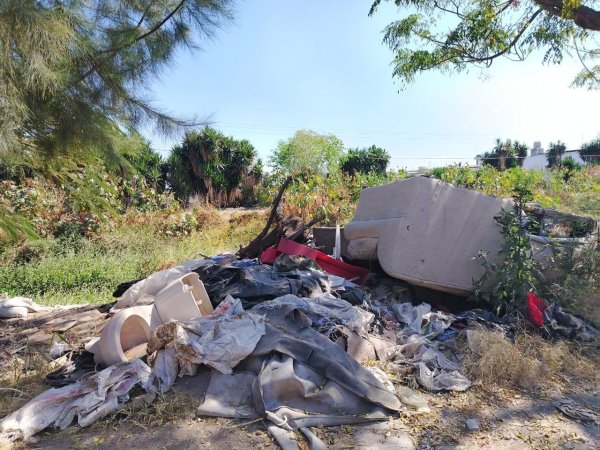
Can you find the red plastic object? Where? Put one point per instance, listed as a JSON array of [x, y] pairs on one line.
[[269, 255], [326, 262], [342, 269], [536, 307], [293, 248]]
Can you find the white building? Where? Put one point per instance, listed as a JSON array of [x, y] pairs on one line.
[[538, 160]]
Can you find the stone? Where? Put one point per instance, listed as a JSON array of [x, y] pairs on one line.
[[472, 424]]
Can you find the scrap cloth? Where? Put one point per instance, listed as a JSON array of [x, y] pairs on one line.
[[272, 365]]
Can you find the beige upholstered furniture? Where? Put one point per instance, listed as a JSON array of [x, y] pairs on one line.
[[426, 232]]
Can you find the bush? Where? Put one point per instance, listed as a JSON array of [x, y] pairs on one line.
[[334, 195], [590, 152]]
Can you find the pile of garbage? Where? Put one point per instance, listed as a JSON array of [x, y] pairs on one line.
[[297, 338], [284, 342]]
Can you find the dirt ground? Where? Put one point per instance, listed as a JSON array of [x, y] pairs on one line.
[[508, 420]]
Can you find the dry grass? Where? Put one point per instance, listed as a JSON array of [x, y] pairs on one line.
[[244, 218], [164, 409], [22, 379], [587, 304], [529, 362]]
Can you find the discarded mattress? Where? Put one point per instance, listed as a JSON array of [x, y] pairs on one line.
[[426, 232]]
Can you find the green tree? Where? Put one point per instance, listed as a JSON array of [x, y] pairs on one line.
[[73, 80], [590, 151], [307, 150], [150, 164], [455, 35], [505, 154], [569, 167], [212, 166], [71, 70], [365, 160], [556, 150]]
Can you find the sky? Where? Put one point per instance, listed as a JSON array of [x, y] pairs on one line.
[[281, 66]]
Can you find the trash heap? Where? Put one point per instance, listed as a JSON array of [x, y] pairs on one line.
[[284, 342], [297, 338]]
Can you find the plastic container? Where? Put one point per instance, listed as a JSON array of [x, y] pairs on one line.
[[330, 265], [183, 299]]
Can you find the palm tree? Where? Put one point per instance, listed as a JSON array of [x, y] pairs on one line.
[[212, 166]]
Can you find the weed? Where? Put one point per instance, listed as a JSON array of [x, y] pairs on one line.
[[88, 271], [518, 273], [528, 362], [164, 409]]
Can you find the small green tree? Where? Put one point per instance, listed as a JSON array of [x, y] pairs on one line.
[[212, 166], [507, 284], [569, 167], [307, 150], [365, 160], [590, 151], [556, 150], [505, 154]]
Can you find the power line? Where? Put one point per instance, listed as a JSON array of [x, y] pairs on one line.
[[465, 158]]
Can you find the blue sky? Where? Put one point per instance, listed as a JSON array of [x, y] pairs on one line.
[[288, 65]]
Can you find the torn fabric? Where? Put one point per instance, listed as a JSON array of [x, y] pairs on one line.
[[297, 378], [18, 307], [86, 401], [325, 305], [220, 341]]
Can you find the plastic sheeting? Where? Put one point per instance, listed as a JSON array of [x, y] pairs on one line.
[[435, 370], [18, 307], [326, 306], [86, 401]]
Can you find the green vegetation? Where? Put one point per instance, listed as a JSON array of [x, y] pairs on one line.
[[73, 85], [457, 35], [307, 150], [365, 160], [578, 193], [334, 195], [216, 168], [75, 269], [590, 151], [519, 273], [505, 154]]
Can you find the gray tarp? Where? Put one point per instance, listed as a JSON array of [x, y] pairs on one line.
[[294, 376], [326, 306]]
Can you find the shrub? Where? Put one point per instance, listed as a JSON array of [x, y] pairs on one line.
[[334, 195], [590, 151], [366, 160]]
